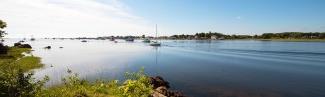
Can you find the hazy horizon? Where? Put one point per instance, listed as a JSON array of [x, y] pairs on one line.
[[92, 18]]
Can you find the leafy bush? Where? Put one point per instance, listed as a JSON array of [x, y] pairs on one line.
[[136, 85], [14, 83], [3, 49]]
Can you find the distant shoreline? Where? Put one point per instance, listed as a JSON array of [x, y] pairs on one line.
[[293, 40]]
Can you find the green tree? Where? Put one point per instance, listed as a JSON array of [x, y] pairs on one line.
[[2, 26]]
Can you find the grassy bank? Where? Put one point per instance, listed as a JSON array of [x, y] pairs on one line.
[[17, 60]]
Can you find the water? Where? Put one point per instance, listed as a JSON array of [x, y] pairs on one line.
[[198, 68]]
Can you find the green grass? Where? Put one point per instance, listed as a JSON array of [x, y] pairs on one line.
[[29, 62], [16, 57]]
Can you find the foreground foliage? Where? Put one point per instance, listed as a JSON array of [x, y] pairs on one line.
[[15, 80], [136, 85]]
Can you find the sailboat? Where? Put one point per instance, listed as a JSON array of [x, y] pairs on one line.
[[155, 43]]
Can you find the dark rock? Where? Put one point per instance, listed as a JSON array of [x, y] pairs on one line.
[[25, 46], [158, 81], [161, 88], [17, 44], [60, 47], [47, 47]]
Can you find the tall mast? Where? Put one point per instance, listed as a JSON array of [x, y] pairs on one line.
[[156, 33]]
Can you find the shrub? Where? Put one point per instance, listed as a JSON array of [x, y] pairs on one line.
[[136, 85], [3, 49]]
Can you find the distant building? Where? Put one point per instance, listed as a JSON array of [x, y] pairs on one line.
[[196, 37], [221, 38], [214, 37]]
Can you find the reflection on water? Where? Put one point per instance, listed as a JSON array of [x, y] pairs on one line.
[[198, 68]]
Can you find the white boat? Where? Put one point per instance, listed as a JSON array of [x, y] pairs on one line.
[[155, 43]]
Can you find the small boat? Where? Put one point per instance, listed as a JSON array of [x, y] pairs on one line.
[[146, 40], [84, 41], [32, 39], [155, 43]]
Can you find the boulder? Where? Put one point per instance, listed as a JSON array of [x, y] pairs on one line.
[[25, 46], [17, 44], [158, 81], [164, 92], [47, 47], [161, 88]]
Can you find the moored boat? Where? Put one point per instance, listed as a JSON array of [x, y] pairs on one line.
[[155, 43]]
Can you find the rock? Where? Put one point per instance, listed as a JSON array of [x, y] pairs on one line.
[[47, 47], [25, 46], [17, 44], [158, 81], [161, 88], [60, 47], [157, 94]]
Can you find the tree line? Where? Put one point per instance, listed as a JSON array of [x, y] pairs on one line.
[[283, 35]]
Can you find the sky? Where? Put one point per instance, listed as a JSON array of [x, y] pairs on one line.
[[92, 18]]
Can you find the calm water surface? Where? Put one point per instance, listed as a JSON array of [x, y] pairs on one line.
[[198, 68]]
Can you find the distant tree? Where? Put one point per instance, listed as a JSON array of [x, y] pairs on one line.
[[2, 26]]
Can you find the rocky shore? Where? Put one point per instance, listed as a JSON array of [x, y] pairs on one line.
[[161, 88]]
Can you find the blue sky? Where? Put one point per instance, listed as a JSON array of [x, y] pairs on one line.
[[233, 16], [73, 18]]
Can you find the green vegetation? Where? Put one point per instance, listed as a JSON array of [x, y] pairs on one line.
[[136, 85], [294, 35], [285, 36], [294, 40], [2, 26], [17, 81]]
